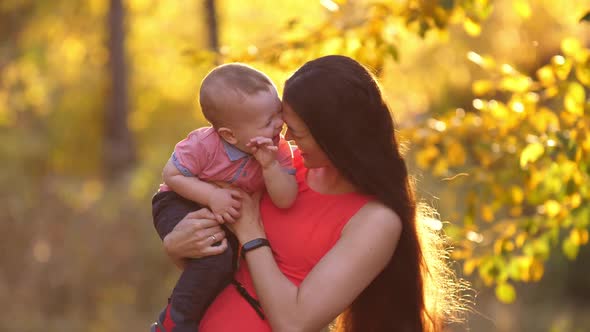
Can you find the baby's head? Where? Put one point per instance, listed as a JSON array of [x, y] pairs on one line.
[[241, 103]]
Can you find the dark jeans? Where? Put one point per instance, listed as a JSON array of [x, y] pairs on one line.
[[202, 278]]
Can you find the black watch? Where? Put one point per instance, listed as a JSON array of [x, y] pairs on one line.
[[253, 244]]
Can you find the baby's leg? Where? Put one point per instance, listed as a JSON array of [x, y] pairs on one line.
[[201, 280]]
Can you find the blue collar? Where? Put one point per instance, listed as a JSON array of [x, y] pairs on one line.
[[233, 153]]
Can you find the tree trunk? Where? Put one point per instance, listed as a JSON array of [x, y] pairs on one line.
[[212, 27], [119, 150]]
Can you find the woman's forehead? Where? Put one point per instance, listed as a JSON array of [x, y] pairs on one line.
[[289, 116]]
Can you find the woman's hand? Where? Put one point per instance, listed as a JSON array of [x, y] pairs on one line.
[[249, 225], [194, 236]]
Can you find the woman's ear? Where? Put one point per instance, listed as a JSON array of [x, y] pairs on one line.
[[228, 135]]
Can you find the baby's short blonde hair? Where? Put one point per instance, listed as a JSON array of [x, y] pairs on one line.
[[227, 86]]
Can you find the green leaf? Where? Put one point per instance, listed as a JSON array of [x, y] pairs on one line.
[[505, 292], [392, 50], [570, 249]]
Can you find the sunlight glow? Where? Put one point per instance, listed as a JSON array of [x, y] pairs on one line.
[[518, 107], [433, 223], [475, 58], [559, 60], [437, 125], [507, 69], [252, 50], [478, 104], [330, 5], [474, 237]]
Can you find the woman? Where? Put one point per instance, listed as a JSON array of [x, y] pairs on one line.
[[350, 244]]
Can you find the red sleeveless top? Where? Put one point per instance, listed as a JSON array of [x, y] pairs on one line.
[[299, 237]]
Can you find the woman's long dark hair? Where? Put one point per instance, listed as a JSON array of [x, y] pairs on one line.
[[341, 103]]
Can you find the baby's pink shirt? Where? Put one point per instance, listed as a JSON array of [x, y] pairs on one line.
[[206, 155]]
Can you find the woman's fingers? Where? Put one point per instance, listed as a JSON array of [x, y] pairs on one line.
[[215, 250]]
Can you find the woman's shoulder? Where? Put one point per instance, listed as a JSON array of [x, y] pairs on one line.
[[376, 214]]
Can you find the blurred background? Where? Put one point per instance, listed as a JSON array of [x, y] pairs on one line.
[[490, 98]]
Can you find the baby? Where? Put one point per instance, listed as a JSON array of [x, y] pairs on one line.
[[242, 148]]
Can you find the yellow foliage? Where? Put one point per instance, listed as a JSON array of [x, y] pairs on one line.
[[586, 143], [570, 249], [505, 292], [469, 265], [517, 194], [531, 153], [516, 83], [545, 120], [571, 46], [537, 270], [583, 74], [515, 211], [487, 213], [425, 157], [561, 66], [575, 98], [456, 154], [552, 208], [520, 239], [482, 87], [578, 236], [441, 167], [522, 8], [471, 27]]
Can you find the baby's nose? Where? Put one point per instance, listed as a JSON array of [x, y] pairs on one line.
[[280, 124]]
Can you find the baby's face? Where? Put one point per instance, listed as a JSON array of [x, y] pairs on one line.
[[259, 115]]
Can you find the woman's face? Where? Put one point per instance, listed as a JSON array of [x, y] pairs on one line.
[[313, 155]]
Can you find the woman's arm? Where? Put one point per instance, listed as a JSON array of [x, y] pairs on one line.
[[193, 237], [365, 247]]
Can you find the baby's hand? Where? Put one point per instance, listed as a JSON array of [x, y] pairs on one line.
[[225, 204], [264, 150]]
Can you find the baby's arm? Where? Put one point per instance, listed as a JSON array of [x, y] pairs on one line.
[[280, 185], [224, 203], [280, 182]]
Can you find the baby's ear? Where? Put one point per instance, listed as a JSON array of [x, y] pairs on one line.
[[227, 134]]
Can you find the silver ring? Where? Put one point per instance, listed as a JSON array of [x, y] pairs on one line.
[[213, 237]]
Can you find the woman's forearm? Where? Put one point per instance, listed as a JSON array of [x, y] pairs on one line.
[[277, 294], [176, 259]]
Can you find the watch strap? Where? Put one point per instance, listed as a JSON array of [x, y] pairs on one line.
[[253, 244]]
